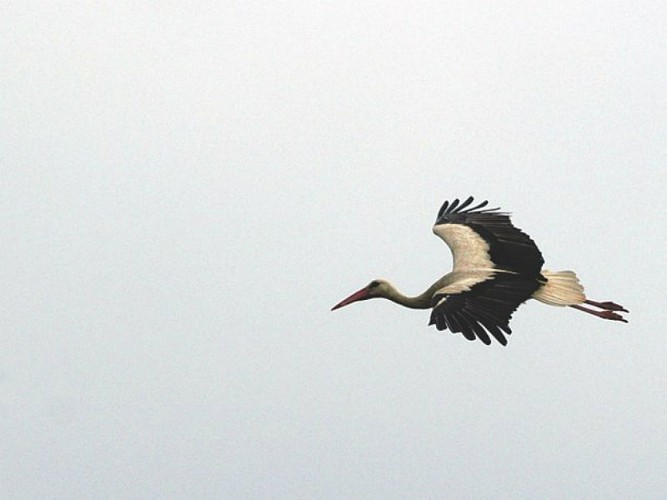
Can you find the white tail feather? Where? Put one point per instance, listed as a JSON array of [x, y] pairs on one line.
[[561, 289]]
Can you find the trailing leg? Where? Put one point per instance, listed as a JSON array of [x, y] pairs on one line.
[[604, 314], [607, 305]]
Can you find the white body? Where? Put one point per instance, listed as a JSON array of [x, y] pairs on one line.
[[561, 289], [472, 265]]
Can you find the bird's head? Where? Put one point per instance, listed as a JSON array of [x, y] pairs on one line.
[[376, 288]]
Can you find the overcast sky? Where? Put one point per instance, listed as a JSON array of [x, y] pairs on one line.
[[186, 190]]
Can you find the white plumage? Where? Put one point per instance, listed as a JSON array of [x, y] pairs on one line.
[[496, 267]]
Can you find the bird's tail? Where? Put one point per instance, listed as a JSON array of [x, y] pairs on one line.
[[561, 289]]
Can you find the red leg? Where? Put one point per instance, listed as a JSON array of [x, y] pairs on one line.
[[608, 305], [605, 314]]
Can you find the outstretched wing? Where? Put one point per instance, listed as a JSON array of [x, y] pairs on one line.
[[486, 308], [484, 238]]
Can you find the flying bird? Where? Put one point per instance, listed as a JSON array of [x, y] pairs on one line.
[[497, 267]]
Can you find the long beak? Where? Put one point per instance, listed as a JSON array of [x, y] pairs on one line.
[[360, 295]]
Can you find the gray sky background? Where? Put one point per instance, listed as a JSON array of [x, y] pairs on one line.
[[187, 189]]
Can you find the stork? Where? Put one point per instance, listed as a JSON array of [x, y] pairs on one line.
[[497, 267]]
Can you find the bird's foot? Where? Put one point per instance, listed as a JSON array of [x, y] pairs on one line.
[[607, 305], [604, 314], [608, 314]]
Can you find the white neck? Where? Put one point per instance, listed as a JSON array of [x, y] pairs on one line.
[[422, 301]]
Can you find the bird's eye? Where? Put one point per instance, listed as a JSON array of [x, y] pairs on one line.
[[374, 284]]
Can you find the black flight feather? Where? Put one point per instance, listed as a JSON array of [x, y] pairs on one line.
[[510, 248], [484, 309]]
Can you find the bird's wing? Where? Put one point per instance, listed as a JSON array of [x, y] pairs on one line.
[[484, 238], [485, 308]]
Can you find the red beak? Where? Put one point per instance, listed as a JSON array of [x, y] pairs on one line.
[[360, 295]]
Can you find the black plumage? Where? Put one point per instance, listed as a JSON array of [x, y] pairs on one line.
[[496, 268], [487, 307], [510, 248]]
